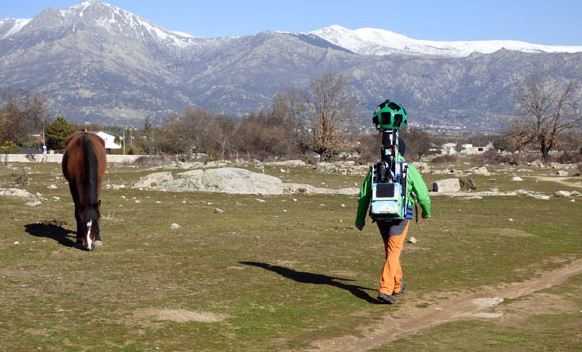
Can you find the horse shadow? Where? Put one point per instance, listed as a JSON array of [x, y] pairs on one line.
[[52, 231], [317, 279]]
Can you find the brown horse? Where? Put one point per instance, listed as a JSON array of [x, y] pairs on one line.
[[84, 166]]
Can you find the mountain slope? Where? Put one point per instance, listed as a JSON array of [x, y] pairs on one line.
[[96, 62]]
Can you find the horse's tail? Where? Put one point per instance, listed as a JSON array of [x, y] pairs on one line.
[[91, 170]]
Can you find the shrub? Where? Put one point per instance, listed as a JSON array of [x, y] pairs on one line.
[[569, 158], [21, 178], [491, 157], [445, 159], [467, 184]]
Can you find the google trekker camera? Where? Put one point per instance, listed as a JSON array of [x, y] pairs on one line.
[[389, 194]]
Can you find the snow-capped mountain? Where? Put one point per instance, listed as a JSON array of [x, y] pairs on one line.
[[9, 26], [373, 41], [97, 62], [99, 16]]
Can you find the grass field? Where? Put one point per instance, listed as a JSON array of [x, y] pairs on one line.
[[274, 273]]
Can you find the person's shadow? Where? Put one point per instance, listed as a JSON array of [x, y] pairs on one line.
[[52, 231], [317, 279]]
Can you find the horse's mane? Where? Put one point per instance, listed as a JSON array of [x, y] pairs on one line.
[[91, 170]]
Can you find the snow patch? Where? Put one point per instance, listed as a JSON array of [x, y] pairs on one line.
[[374, 41], [17, 25]]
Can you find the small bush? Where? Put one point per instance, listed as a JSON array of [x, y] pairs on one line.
[[21, 178], [445, 159], [491, 157], [569, 158], [467, 184]]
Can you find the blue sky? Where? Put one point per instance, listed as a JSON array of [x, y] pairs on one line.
[[553, 22]]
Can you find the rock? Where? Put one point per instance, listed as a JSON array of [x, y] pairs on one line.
[[449, 185], [488, 302], [536, 163], [15, 192], [218, 211], [510, 219], [411, 239], [562, 173], [517, 179], [422, 167], [191, 165], [52, 187], [154, 180], [175, 226], [480, 171], [260, 200], [539, 196], [33, 203], [241, 181], [293, 188], [575, 194], [348, 168], [232, 181], [287, 163], [473, 197], [563, 194]]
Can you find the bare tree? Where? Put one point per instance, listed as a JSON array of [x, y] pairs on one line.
[[221, 132], [325, 111], [417, 142], [549, 108], [21, 116], [186, 134]]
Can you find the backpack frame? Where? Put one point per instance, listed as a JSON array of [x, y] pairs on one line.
[[389, 194]]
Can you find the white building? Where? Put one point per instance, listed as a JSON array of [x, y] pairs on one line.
[[109, 140], [469, 149], [449, 149]]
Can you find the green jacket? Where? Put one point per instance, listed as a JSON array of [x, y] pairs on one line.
[[414, 183]]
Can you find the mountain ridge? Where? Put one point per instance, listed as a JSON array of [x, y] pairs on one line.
[[99, 63]]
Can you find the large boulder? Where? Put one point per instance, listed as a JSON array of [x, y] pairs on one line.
[[448, 185], [230, 180], [240, 181], [154, 180]]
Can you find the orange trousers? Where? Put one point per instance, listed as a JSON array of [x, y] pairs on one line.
[[393, 234]]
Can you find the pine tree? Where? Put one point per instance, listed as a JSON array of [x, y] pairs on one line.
[[57, 132]]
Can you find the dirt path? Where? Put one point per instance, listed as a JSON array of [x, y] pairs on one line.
[[565, 181], [412, 320]]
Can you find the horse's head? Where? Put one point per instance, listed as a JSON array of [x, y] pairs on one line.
[[89, 225]]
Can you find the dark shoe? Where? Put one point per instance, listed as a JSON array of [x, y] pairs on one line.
[[386, 299], [402, 290]]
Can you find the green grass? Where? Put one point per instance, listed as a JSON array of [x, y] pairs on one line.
[[284, 273]]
